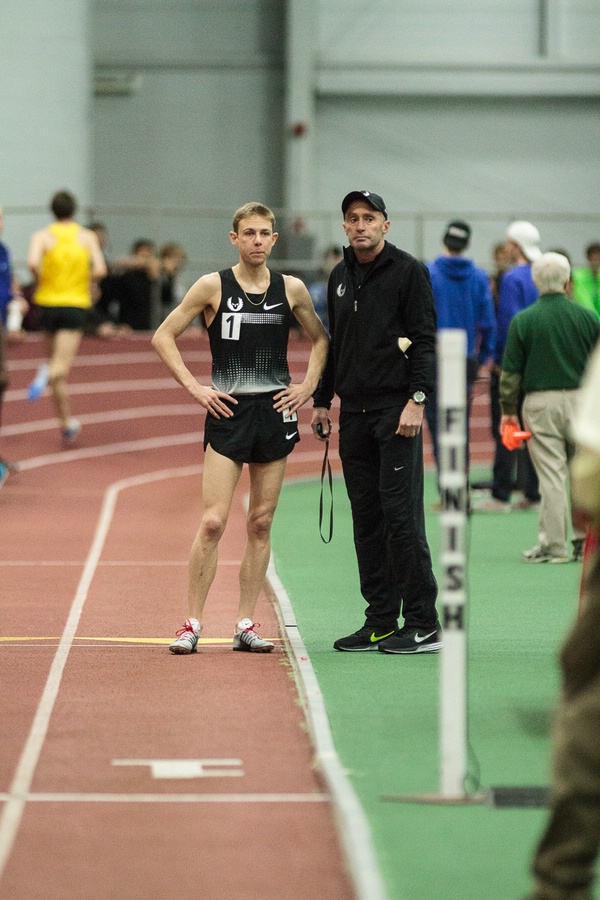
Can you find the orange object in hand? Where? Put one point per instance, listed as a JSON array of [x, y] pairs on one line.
[[512, 436]]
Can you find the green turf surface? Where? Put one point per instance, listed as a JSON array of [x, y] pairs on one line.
[[383, 709]]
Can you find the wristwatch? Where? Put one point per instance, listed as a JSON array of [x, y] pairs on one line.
[[419, 398]]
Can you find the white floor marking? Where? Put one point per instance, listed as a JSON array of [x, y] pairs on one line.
[[128, 385], [107, 563], [64, 456], [36, 462], [174, 798], [353, 825], [110, 415], [109, 359], [187, 768], [12, 813], [354, 830]]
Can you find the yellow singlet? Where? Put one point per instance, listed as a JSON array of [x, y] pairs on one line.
[[64, 278]]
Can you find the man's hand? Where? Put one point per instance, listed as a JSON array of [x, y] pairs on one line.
[[292, 398], [411, 419], [320, 423], [509, 420], [214, 402]]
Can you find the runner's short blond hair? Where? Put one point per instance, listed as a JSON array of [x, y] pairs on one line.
[[253, 209]]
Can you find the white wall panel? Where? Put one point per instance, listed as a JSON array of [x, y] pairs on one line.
[[491, 160], [45, 72], [189, 139], [428, 30], [579, 25], [186, 32]]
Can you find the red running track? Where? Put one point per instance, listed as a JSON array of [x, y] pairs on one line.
[[126, 772]]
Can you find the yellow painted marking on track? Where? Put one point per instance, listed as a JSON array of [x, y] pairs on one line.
[[118, 640]]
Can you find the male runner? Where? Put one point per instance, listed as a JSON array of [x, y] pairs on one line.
[[252, 407]]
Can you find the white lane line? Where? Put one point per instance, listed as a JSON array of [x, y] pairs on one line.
[[111, 359], [12, 813], [124, 386], [353, 824], [157, 443], [135, 357], [21, 783], [64, 456], [174, 798], [112, 415], [107, 563]]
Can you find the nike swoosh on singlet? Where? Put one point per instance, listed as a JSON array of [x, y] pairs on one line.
[[379, 637], [271, 306], [288, 437]]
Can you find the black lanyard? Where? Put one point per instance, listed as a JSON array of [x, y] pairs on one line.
[[326, 468]]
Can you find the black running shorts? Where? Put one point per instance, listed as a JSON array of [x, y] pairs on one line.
[[57, 318], [256, 433]]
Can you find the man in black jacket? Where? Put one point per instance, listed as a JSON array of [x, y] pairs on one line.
[[382, 366]]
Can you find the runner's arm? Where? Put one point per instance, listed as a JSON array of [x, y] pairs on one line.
[[35, 254], [98, 268], [200, 296], [296, 395]]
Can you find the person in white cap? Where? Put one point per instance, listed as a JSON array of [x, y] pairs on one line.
[[517, 292]]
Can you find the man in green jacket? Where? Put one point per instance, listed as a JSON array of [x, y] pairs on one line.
[[546, 353]]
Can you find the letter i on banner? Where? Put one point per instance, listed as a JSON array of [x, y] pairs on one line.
[[452, 417]]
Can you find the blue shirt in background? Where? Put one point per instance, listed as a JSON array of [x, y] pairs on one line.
[[463, 299]]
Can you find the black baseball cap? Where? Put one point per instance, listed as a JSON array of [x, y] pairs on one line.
[[373, 200], [457, 236]]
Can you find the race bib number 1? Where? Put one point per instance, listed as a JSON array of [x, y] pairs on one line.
[[230, 326]]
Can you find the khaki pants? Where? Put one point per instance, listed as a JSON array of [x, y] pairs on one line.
[[548, 414], [565, 859]]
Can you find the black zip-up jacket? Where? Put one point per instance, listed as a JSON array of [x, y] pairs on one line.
[[365, 366]]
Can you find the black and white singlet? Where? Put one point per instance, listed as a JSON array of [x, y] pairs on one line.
[[249, 341]]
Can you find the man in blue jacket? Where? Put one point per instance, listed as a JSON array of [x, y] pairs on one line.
[[517, 292], [463, 299], [379, 302]]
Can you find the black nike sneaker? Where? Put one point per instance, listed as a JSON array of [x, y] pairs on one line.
[[413, 640], [366, 638]]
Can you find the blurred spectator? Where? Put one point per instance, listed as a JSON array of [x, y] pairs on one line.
[[12, 307], [569, 284], [102, 319], [586, 280], [172, 260], [318, 289], [463, 299], [517, 291], [502, 263], [132, 293], [545, 357]]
